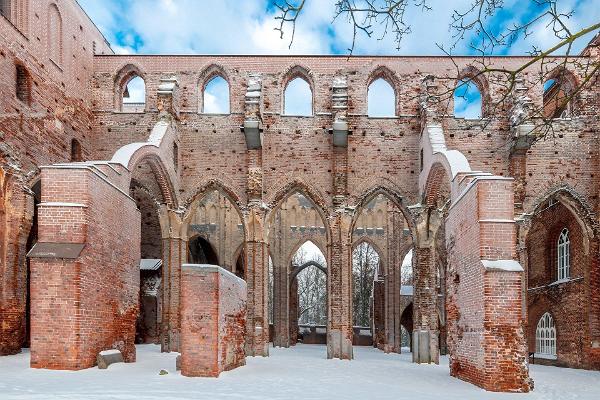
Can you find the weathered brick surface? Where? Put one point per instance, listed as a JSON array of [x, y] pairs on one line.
[[78, 98], [82, 306], [213, 320], [484, 307]]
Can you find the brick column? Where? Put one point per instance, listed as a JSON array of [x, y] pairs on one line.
[[174, 254], [485, 320], [339, 289], [281, 297], [395, 235], [425, 328], [16, 217], [86, 270], [213, 314]]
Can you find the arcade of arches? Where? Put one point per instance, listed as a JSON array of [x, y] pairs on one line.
[[501, 230]]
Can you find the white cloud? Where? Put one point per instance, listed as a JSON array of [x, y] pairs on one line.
[[381, 99], [298, 98], [247, 27]]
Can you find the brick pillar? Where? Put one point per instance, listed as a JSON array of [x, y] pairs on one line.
[[378, 315], [395, 233], [257, 279], [92, 291], [281, 298], [485, 320], [425, 321], [293, 314], [16, 215], [174, 254], [339, 289], [213, 314]]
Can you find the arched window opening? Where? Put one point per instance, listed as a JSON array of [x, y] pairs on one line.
[[298, 98], [202, 252], [55, 35], [23, 85], [557, 97], [216, 96], [311, 286], [76, 151], [467, 100], [407, 269], [545, 337], [564, 262], [381, 99], [134, 95], [365, 262]]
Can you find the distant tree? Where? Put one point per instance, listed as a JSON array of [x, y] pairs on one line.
[[365, 261], [312, 290]]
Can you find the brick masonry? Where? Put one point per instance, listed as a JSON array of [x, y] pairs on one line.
[[213, 320], [76, 98]]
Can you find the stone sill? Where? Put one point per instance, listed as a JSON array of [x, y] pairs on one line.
[[545, 356], [555, 283]]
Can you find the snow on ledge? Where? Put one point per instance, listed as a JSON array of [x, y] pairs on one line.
[[109, 352], [213, 268], [502, 265], [124, 154]]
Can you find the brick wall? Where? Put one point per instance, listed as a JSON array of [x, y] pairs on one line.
[[213, 316], [82, 306], [485, 321]]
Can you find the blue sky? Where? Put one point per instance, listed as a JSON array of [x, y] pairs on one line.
[[247, 27]]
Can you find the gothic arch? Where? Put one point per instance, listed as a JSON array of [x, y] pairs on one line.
[[122, 78], [474, 75], [208, 187], [281, 193], [208, 74], [295, 271], [439, 175], [390, 194], [159, 171], [575, 203], [289, 75], [383, 72], [301, 242]]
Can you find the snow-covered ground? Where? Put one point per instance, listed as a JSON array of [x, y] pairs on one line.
[[302, 372]]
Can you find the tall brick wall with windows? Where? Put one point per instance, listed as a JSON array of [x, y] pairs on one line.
[[213, 320], [78, 98], [564, 299], [81, 306], [42, 108]]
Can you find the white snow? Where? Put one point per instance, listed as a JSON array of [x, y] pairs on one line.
[[299, 372], [109, 352]]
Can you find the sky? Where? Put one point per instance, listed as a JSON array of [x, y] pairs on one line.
[[247, 27]]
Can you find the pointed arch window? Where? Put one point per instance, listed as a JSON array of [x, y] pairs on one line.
[[215, 98], [564, 257], [297, 99], [381, 99], [133, 94], [55, 35], [468, 100], [545, 337]]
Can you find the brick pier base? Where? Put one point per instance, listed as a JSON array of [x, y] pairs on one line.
[[213, 320]]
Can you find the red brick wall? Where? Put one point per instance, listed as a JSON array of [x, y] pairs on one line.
[[566, 302], [484, 307], [82, 306], [213, 320]]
